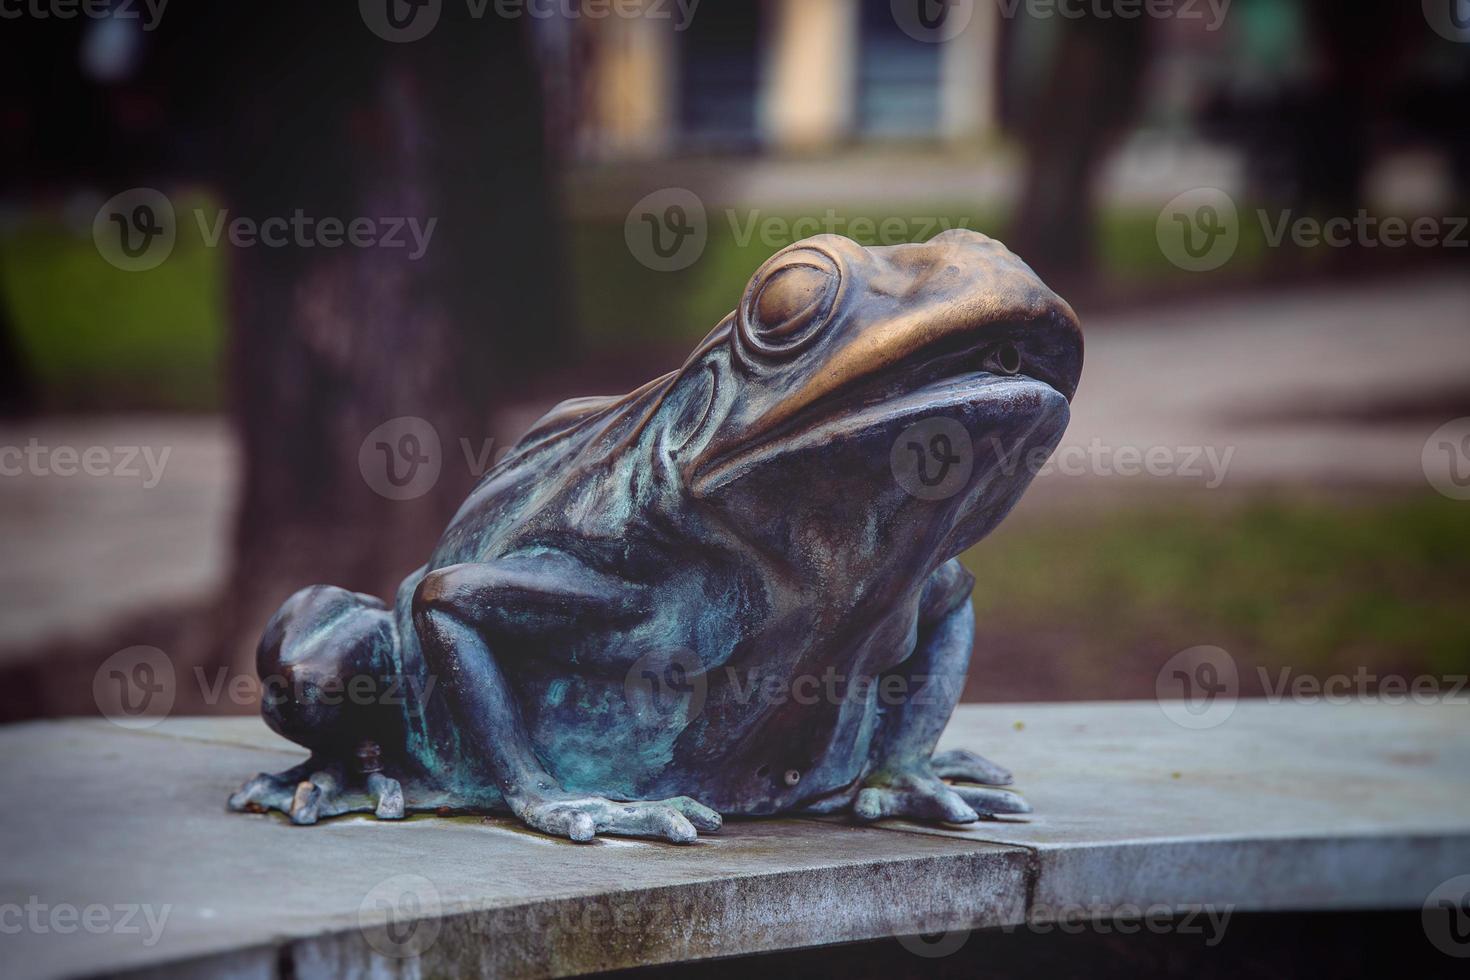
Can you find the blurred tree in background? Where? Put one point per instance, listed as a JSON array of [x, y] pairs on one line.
[[327, 345], [1073, 99], [278, 108]]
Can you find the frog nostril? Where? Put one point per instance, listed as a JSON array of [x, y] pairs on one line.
[[792, 777], [1004, 358], [1010, 358]]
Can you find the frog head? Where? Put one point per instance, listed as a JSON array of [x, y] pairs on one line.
[[880, 407]]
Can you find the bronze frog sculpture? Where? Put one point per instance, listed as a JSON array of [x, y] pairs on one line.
[[614, 632]]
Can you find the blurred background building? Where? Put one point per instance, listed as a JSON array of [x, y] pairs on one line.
[[782, 77]]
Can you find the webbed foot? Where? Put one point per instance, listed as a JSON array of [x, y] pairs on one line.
[[318, 789], [581, 818], [919, 792]]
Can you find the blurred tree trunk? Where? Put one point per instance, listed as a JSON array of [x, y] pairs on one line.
[[1067, 120], [330, 343]]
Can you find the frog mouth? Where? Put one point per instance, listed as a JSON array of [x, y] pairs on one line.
[[997, 377], [1018, 410]]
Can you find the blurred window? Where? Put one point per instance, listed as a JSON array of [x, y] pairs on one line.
[[719, 75], [898, 76]]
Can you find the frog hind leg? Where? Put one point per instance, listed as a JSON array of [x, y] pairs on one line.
[[455, 609], [325, 664]]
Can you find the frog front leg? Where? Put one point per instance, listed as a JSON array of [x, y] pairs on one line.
[[460, 613], [905, 778]]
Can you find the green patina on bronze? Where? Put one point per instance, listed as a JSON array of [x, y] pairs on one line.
[[733, 591]]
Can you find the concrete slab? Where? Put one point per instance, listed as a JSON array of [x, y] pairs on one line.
[[120, 855], [115, 821], [1305, 806]]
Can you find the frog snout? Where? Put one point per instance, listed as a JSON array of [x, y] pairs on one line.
[[1049, 349], [974, 294]]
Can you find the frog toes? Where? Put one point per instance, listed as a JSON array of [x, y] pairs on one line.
[[311, 791], [678, 820], [915, 803], [966, 765], [992, 801]]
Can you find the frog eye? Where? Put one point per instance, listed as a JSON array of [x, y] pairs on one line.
[[787, 305]]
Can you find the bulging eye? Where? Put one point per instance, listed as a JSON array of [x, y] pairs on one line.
[[1003, 358], [788, 305]]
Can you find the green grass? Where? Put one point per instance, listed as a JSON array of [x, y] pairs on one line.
[[97, 336], [1315, 583]]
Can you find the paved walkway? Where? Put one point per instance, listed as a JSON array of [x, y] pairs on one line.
[[1271, 810], [80, 550], [1326, 386], [1323, 385]]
